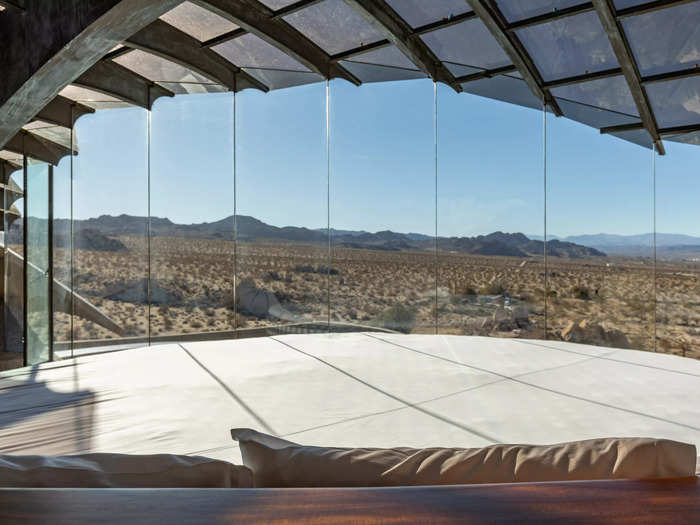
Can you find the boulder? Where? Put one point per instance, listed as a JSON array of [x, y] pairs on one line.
[[587, 332]]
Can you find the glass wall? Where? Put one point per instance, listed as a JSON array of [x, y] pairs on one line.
[[401, 206], [110, 215], [490, 217], [191, 216], [38, 263], [382, 206], [600, 264], [678, 249], [282, 266], [62, 257]]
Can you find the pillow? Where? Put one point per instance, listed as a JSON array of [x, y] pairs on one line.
[[279, 463], [121, 471]]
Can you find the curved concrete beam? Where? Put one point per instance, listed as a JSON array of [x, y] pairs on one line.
[[166, 41], [46, 47]]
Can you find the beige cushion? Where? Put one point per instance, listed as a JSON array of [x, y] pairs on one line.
[[279, 463], [121, 471]]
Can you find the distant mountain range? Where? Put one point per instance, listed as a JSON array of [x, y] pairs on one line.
[[667, 244], [99, 232]]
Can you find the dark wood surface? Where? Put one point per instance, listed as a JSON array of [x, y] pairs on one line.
[[618, 502]]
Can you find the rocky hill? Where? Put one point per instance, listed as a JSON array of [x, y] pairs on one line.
[[252, 229]]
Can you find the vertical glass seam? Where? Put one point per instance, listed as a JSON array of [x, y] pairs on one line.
[[435, 153], [328, 205], [653, 199], [148, 223], [544, 181], [70, 255], [235, 222]]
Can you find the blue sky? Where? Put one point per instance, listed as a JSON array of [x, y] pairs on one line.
[[490, 164]]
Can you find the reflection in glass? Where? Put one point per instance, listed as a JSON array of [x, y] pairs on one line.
[[282, 263], [490, 218], [13, 261], [191, 223], [38, 271], [383, 207], [62, 263]]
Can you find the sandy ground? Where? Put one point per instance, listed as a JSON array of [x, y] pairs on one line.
[[605, 301]]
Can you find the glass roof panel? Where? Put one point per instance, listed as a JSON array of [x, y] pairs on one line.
[[593, 116], [506, 89], [624, 4], [91, 98], [638, 136], [279, 79], [686, 138], [277, 4], [197, 21], [334, 26], [468, 43], [377, 73], [159, 69], [458, 70], [385, 56], [666, 39], [607, 93], [515, 10], [421, 12], [675, 102], [252, 51], [190, 88], [574, 45]]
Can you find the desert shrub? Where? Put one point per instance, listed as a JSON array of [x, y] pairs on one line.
[[581, 292], [493, 289], [399, 318], [196, 324]]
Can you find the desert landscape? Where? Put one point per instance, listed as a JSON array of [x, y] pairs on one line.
[[379, 281]]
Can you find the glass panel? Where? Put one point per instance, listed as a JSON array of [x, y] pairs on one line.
[[515, 10], [62, 263], [603, 294], [675, 102], [373, 73], [419, 12], [638, 136], [93, 99], [468, 43], [568, 47], [624, 4], [197, 21], [320, 24], [282, 256], [678, 251], [279, 79], [37, 260], [606, 93], [251, 51], [383, 207], [110, 208], [665, 39], [13, 262], [278, 4], [159, 69], [593, 116], [369, 66], [504, 88], [191, 225], [490, 217]]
